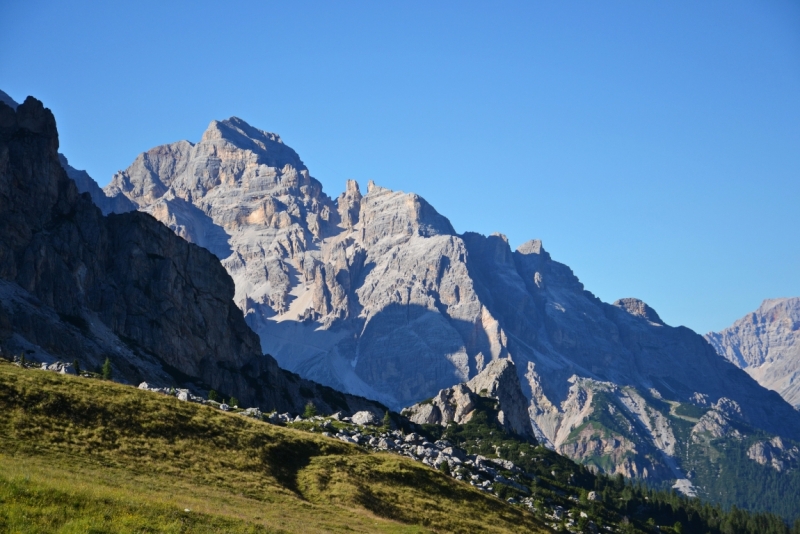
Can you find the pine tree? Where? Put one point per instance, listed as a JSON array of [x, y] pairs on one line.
[[77, 367], [387, 421], [106, 370], [212, 395], [233, 402], [310, 410]]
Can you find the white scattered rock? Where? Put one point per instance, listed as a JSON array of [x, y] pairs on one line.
[[252, 412], [364, 418], [59, 367], [412, 438]]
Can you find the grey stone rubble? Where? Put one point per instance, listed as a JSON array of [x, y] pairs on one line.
[[477, 470], [484, 474], [364, 418], [181, 394]]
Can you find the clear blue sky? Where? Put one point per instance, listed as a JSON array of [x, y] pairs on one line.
[[654, 146]]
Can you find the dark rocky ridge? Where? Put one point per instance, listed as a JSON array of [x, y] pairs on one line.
[[77, 285]]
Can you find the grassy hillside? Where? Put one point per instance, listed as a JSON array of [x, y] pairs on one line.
[[83, 455]]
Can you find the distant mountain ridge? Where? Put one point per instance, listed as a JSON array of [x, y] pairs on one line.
[[376, 294], [766, 344]]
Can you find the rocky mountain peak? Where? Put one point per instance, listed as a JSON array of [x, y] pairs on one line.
[[35, 118], [349, 204], [639, 308], [782, 309], [269, 147], [497, 376], [533, 246]]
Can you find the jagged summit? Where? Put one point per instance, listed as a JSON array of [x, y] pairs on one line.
[[268, 147], [533, 246], [234, 128], [789, 304]]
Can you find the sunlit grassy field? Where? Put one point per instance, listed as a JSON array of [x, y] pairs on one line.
[[84, 455]]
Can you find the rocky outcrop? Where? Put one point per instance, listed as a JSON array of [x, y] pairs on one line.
[[499, 381], [638, 308], [75, 285], [619, 430], [775, 454], [719, 422], [375, 294], [766, 344]]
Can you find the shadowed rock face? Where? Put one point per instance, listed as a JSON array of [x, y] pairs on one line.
[[375, 294], [77, 285], [766, 344]]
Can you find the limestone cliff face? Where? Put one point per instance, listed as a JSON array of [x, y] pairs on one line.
[[77, 285], [330, 286], [375, 294], [499, 381], [766, 344]]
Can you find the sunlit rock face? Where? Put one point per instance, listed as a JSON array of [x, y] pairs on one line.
[[374, 293], [766, 344]]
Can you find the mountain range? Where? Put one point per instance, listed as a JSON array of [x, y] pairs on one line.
[[366, 296], [376, 294]]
